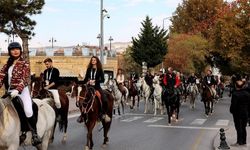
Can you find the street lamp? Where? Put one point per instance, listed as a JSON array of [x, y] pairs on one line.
[[103, 14], [110, 39], [52, 40]]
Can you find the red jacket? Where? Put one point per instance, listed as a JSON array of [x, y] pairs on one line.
[[177, 81], [20, 75]]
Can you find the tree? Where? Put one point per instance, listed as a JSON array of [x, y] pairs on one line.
[[186, 53], [194, 16], [15, 19], [129, 64], [231, 38], [151, 45]]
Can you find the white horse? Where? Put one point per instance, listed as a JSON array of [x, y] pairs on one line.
[[145, 92], [157, 95], [119, 101], [10, 127], [193, 90]]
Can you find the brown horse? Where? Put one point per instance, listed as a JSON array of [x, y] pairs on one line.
[[133, 92], [89, 105], [38, 91], [207, 98]]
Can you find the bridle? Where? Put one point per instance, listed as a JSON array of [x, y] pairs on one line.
[[86, 106]]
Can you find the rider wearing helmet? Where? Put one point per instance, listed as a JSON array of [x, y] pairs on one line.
[[14, 75]]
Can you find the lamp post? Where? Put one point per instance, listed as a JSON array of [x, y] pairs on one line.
[[163, 26], [103, 14], [52, 40], [110, 39]]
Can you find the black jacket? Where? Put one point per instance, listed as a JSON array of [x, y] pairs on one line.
[[240, 103], [209, 80], [99, 77], [52, 74]]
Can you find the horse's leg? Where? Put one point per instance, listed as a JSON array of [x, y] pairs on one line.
[[146, 105], [106, 127], [90, 126], [155, 108], [65, 123], [53, 133], [122, 105], [138, 101]]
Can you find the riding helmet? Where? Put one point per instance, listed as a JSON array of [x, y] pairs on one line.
[[14, 45]]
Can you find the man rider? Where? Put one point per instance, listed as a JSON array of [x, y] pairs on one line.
[[209, 81], [192, 81]]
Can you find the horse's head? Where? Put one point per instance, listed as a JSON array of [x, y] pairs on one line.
[[37, 88], [86, 95], [156, 79]]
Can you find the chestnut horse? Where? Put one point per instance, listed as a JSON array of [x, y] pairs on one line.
[[38, 91], [89, 105]]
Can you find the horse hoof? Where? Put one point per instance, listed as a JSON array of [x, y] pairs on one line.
[[104, 145], [86, 148]]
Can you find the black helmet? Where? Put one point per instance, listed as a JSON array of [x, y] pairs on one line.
[[14, 45]]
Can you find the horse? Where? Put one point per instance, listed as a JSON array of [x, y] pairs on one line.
[[208, 100], [88, 101], [145, 92], [112, 86], [133, 93], [38, 91], [157, 94], [193, 91], [10, 125], [172, 103]]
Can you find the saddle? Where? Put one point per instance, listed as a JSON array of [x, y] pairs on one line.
[[98, 94]]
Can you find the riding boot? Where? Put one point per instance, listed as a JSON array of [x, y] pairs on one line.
[[58, 114], [35, 138]]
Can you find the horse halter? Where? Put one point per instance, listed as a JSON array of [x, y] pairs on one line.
[[86, 106]]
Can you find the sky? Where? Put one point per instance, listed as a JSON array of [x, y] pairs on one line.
[[72, 22]]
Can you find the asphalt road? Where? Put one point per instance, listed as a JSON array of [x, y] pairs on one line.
[[137, 131]]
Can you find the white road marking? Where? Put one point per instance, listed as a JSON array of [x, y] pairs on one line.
[[183, 127], [154, 119], [74, 115], [198, 121], [222, 122], [131, 119]]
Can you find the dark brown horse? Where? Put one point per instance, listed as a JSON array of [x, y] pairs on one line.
[[207, 98], [133, 93], [89, 105], [38, 91]]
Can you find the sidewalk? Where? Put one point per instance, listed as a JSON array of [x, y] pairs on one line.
[[230, 134]]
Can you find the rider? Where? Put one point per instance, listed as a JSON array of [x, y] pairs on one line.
[[120, 79], [169, 79], [14, 75], [209, 81], [149, 80], [192, 81], [94, 76], [51, 78]]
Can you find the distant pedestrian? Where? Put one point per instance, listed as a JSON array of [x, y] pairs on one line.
[[239, 108]]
